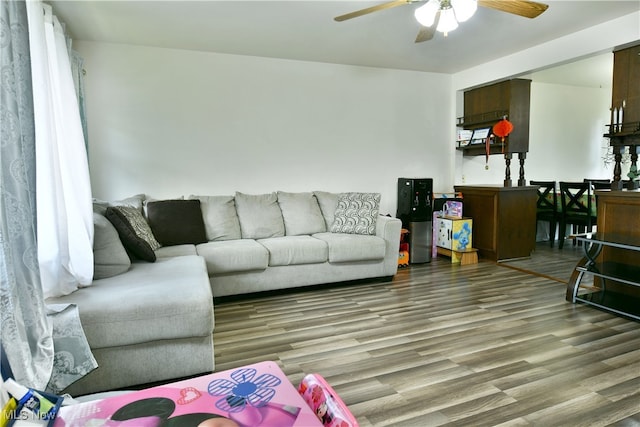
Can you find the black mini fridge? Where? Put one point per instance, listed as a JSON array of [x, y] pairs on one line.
[[415, 210]]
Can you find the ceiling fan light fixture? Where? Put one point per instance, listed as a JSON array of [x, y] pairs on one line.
[[464, 9], [426, 14], [447, 21]]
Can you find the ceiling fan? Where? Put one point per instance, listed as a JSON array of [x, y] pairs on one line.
[[444, 15]]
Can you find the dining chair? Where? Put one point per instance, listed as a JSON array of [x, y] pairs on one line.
[[599, 184], [577, 208], [547, 206]]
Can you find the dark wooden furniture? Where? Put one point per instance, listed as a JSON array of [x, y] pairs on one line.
[[604, 271], [618, 266], [577, 208], [626, 91], [618, 213], [504, 219], [547, 206], [624, 129], [485, 106], [599, 184]]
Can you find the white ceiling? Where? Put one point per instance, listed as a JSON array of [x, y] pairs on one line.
[[305, 30]]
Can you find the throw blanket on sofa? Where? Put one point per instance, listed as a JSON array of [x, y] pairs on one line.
[[73, 358]]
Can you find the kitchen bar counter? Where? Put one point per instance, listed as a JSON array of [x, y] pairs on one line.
[[504, 219]]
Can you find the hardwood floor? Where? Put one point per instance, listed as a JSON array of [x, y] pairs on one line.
[[441, 344]]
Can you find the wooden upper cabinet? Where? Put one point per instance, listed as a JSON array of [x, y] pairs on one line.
[[485, 106], [626, 83]]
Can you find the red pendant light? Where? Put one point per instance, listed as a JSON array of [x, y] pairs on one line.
[[502, 129]]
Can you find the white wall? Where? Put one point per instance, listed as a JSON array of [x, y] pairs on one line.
[[169, 123], [567, 124]]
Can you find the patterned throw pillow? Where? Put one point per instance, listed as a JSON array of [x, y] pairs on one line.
[[134, 231], [356, 213]]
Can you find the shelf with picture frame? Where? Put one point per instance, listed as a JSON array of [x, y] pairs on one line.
[[476, 144], [485, 106]]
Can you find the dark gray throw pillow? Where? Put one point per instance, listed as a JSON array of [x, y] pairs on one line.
[[134, 232], [177, 222]]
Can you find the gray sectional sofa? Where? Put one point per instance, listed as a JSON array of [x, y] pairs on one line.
[[152, 319]]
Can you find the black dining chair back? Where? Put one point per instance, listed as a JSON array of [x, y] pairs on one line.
[[599, 184], [547, 206], [577, 208]]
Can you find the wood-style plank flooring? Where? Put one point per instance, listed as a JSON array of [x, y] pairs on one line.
[[441, 344]]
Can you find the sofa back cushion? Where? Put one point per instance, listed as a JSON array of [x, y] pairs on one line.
[[176, 222], [328, 203], [220, 218], [260, 215], [109, 256], [136, 201], [301, 213]]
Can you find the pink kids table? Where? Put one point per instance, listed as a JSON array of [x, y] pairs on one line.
[[253, 395]]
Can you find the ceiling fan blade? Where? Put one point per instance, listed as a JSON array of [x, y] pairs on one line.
[[426, 33], [371, 9], [526, 8]]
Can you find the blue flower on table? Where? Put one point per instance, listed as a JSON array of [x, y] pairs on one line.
[[243, 388]]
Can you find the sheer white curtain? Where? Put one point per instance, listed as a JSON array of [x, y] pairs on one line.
[[64, 210]]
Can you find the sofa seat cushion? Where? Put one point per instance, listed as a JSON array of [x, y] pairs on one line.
[[176, 250], [165, 300], [353, 247], [229, 256], [291, 250]]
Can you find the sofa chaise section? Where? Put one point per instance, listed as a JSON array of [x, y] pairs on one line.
[[152, 323]]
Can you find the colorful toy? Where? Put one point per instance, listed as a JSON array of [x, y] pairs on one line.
[[462, 237], [403, 254], [325, 402], [250, 396], [452, 209], [403, 258]]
